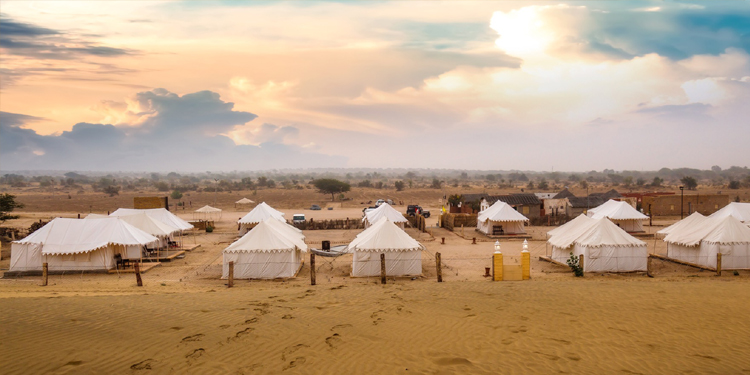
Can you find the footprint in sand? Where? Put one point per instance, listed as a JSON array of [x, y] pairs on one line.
[[251, 321], [240, 334], [334, 340], [452, 361], [296, 362], [338, 287], [74, 363], [224, 326], [507, 341], [261, 311], [195, 354], [249, 369], [340, 326], [551, 357], [196, 337], [176, 328], [287, 316], [520, 329], [291, 349], [142, 365]]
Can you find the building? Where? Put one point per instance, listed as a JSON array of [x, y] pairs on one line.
[[527, 204], [669, 205]]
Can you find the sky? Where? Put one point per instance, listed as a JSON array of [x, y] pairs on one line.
[[232, 85]]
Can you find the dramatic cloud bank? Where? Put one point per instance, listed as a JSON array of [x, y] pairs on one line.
[[485, 85]]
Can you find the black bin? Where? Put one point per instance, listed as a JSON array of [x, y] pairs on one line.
[[326, 245]]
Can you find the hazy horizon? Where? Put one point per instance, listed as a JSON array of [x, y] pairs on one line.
[[485, 86]]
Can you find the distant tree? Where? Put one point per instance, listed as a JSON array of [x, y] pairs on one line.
[[399, 185], [689, 182], [716, 168], [543, 184], [176, 195], [331, 186], [111, 190], [627, 181], [161, 186], [584, 184], [411, 175], [455, 199], [365, 184], [7, 205], [734, 185], [530, 185], [379, 185], [464, 175], [491, 177], [640, 181], [436, 184], [657, 181], [262, 181]]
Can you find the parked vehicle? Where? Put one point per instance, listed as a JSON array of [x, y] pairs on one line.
[[298, 218], [315, 207], [413, 210], [379, 202]]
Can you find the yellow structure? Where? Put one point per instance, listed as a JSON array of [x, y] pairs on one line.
[[525, 265], [497, 266]]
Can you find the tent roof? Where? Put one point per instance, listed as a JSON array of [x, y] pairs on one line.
[[143, 222], [73, 236], [260, 213], [501, 211], [575, 223], [244, 201], [208, 209], [615, 210], [695, 217], [383, 235], [595, 233], [739, 210], [268, 236], [160, 214], [385, 210], [722, 230]]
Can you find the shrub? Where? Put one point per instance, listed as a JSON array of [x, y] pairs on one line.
[[574, 265], [209, 229]]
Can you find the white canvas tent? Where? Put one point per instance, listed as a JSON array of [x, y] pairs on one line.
[[160, 214], [571, 225], [700, 241], [387, 211], [244, 201], [260, 213], [695, 217], [403, 254], [270, 250], [208, 213], [741, 211], [605, 247], [79, 245], [621, 213], [148, 224], [501, 218]]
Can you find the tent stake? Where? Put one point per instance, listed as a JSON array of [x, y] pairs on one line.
[[312, 268], [718, 264], [230, 282], [439, 268], [44, 274], [137, 267], [382, 268]]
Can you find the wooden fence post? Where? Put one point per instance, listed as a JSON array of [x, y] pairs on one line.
[[312, 268], [649, 272], [44, 274], [442, 240], [473, 240], [230, 282], [439, 268], [580, 262], [137, 266], [382, 268], [718, 264]]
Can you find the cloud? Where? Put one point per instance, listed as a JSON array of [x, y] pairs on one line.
[[173, 133]]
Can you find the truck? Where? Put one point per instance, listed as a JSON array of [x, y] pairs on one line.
[[414, 209]]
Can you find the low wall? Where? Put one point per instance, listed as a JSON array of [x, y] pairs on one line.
[[450, 221]]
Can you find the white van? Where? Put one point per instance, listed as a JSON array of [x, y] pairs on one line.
[[298, 218]]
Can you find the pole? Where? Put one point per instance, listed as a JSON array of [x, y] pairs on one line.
[[718, 264], [382, 268], [312, 268], [44, 274], [580, 262], [439, 268], [137, 266], [649, 272], [682, 201], [230, 282]]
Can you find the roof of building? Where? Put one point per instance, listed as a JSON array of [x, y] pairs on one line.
[[515, 199], [583, 202], [612, 194], [565, 193]]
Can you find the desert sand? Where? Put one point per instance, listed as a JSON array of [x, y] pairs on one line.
[[185, 319]]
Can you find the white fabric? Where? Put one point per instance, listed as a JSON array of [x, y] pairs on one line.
[[72, 244], [501, 213], [272, 249], [387, 211], [244, 201], [723, 230], [208, 209], [733, 256], [261, 212], [605, 247], [695, 217], [621, 213], [403, 254], [739, 210], [571, 225], [142, 221], [161, 214]]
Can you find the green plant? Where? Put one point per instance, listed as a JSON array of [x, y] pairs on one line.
[[209, 229], [574, 265], [736, 273]]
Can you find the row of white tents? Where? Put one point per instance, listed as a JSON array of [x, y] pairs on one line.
[[92, 244], [270, 248]]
